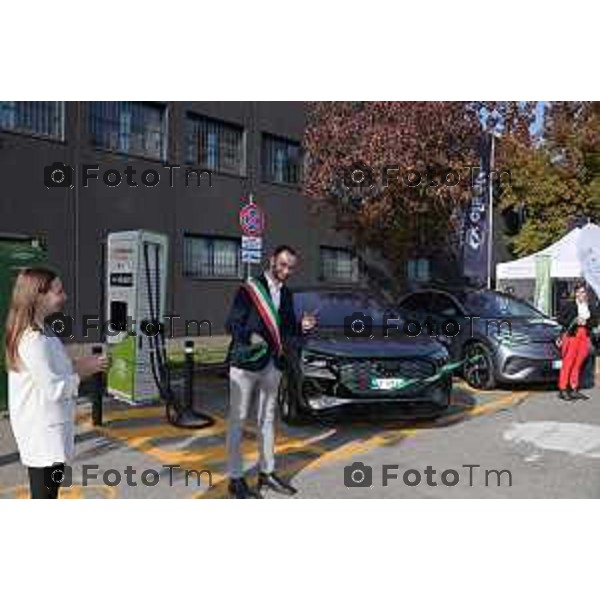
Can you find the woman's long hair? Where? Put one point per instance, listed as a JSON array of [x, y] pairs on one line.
[[29, 285]]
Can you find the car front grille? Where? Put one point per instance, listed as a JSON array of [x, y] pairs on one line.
[[356, 374]]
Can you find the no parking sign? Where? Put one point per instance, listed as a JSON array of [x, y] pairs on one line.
[[252, 222], [252, 219]]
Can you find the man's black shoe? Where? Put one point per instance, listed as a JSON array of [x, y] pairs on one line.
[[238, 488], [275, 483], [566, 395], [579, 395]]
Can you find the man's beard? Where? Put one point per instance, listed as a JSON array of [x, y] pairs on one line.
[[277, 277]]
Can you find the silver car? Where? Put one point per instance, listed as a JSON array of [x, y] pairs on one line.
[[500, 338]]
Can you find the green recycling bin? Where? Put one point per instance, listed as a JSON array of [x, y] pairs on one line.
[[16, 252]]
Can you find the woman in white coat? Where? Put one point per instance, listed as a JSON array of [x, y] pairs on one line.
[[42, 380]]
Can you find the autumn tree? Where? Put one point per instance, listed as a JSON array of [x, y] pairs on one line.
[[399, 174]]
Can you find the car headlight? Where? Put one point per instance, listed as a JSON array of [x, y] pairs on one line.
[[319, 365], [317, 361]]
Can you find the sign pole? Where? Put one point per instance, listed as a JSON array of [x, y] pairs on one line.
[[251, 219], [249, 264], [490, 213]]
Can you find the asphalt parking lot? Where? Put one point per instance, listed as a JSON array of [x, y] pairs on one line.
[[549, 447]]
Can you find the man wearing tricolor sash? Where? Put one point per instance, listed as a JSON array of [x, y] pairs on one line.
[[263, 328]]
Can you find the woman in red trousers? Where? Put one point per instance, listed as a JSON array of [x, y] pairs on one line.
[[577, 319]]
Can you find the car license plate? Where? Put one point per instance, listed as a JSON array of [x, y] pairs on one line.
[[556, 364], [387, 383]]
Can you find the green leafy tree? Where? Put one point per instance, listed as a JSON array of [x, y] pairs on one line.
[[556, 179]]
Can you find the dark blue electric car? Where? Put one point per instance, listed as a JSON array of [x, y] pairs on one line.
[[349, 361]]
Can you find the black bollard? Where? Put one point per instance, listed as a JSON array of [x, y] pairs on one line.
[[187, 417], [189, 373], [98, 393]]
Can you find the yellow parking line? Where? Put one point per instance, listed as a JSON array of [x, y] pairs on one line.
[[463, 385], [159, 431], [494, 405], [356, 447], [146, 438], [74, 492], [350, 449], [217, 454]]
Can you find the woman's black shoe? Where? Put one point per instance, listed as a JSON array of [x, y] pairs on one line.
[[566, 395], [579, 395]]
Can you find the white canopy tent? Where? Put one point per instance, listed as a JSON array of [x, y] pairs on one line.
[[563, 254], [574, 256]]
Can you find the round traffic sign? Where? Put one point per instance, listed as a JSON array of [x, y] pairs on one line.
[[252, 219]]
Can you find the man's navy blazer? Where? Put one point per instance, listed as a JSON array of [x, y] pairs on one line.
[[244, 320]]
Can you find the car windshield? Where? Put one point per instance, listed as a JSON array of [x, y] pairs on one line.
[[491, 304], [332, 308]]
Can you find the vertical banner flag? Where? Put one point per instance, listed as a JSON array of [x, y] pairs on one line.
[[543, 294], [476, 234]]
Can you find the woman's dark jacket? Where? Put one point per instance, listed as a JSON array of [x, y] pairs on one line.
[[568, 318]]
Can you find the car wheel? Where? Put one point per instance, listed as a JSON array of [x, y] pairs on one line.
[[478, 370], [288, 401]]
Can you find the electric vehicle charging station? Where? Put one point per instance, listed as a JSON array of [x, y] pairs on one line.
[[136, 295], [136, 286]]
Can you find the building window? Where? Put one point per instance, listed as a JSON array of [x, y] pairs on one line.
[[136, 128], [418, 269], [339, 265], [208, 257], [215, 145], [34, 118], [280, 160]]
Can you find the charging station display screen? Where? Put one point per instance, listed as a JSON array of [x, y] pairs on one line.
[[121, 279]]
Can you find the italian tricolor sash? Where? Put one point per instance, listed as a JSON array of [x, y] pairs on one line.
[[266, 309]]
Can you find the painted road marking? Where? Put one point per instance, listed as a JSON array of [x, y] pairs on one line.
[[74, 492], [146, 430], [361, 446], [154, 441], [576, 439], [205, 448], [347, 451], [463, 385]]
